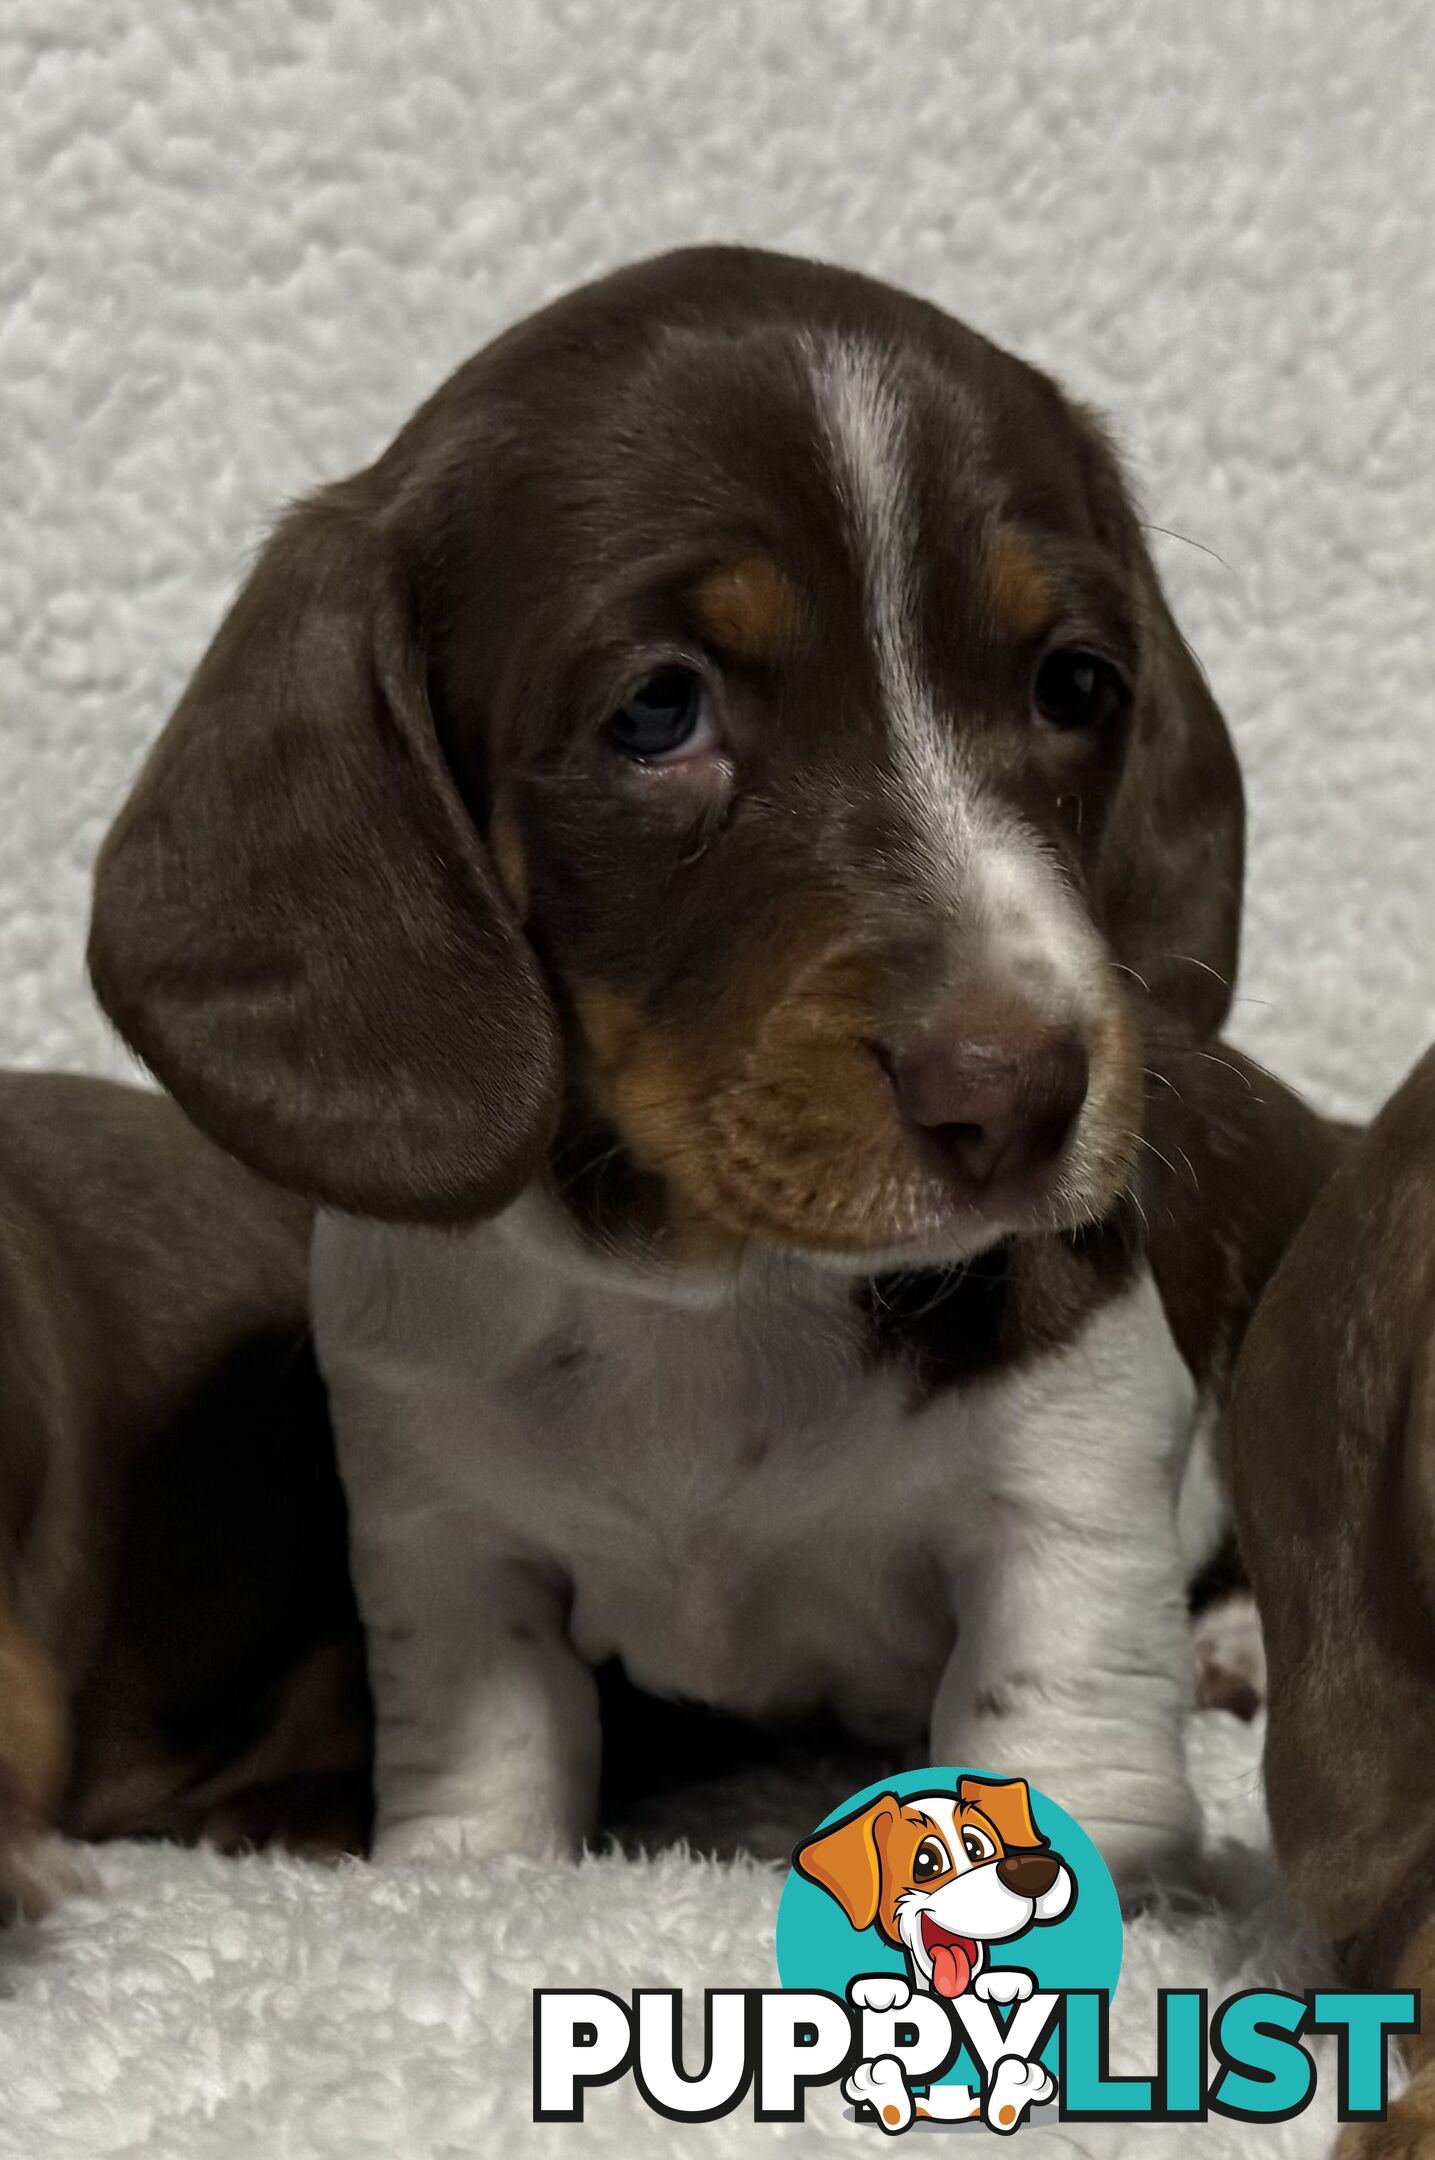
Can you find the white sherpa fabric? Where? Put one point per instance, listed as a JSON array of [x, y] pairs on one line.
[[211, 2009], [237, 243]]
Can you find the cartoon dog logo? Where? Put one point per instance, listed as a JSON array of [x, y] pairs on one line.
[[942, 1876]]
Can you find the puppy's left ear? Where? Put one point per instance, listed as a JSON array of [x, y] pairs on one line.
[[1006, 1803], [1173, 863]]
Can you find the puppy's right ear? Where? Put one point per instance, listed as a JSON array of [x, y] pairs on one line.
[[295, 921], [846, 1861]]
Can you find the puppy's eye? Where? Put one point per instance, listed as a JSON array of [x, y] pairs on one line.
[[932, 1859], [977, 1846], [666, 718], [1076, 689]]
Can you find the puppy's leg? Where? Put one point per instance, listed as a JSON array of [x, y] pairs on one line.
[[1072, 1661], [36, 1870], [1343, 1560], [486, 1722]]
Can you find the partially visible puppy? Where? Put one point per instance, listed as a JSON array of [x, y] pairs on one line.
[[178, 1651], [1332, 1442], [1233, 1161]]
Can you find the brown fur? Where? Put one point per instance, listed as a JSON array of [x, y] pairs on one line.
[[1231, 1162], [1332, 1443], [171, 1529]]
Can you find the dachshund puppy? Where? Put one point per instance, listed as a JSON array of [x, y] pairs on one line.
[[690, 860], [1332, 1449], [178, 1647]]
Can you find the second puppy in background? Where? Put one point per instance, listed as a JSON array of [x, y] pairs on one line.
[[691, 857], [1333, 1469], [179, 1652]]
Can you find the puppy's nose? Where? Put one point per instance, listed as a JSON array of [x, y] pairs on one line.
[[999, 1103], [1028, 1874]]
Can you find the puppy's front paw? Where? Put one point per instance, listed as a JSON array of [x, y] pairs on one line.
[[1003, 1984], [879, 1991], [40, 1872], [880, 2085], [1015, 2087]]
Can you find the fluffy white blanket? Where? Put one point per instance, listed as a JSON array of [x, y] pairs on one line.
[[210, 2009]]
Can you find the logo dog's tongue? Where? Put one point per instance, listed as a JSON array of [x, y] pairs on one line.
[[951, 1969]]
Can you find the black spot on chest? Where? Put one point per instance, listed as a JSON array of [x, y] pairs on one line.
[[1013, 1303]]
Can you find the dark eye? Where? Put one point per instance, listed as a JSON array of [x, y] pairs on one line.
[[977, 1846], [1076, 689], [665, 718], [932, 1859]]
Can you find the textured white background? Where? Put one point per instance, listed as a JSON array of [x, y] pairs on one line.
[[238, 242]]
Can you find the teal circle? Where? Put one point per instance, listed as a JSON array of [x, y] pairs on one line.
[[817, 1947]]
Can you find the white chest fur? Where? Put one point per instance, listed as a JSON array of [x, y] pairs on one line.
[[729, 1494]]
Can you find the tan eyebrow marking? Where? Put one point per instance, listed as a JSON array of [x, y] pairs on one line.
[[510, 862], [750, 607], [1017, 588]]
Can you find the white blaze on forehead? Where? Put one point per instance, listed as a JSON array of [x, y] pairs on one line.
[[864, 414], [979, 855], [864, 411], [943, 1813]]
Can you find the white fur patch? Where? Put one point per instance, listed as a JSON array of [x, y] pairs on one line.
[[863, 407]]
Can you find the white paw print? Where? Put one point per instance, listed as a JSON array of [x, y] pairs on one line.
[[881, 2085], [1003, 1984], [879, 1991], [1013, 2088]]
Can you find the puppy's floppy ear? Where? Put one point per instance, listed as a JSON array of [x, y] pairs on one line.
[[295, 921], [1006, 1803], [846, 1861], [1173, 862]]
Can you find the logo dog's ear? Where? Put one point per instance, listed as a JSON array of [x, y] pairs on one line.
[[846, 1860], [296, 923], [1006, 1803]]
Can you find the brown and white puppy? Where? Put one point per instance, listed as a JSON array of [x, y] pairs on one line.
[[178, 1649], [690, 858], [1333, 1465]]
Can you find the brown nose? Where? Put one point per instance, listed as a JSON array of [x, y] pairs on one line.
[[1029, 1874], [997, 1104]]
